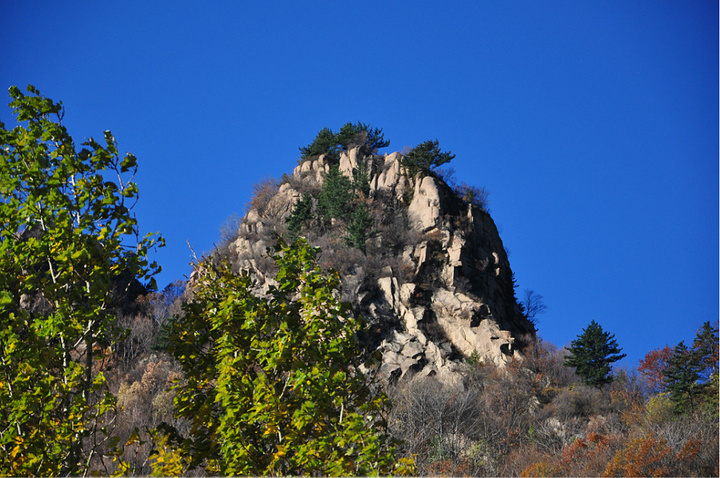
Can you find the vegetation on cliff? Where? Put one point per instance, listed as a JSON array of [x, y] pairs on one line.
[[259, 371], [370, 140]]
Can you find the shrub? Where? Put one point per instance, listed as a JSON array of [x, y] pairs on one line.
[[648, 456], [473, 195], [263, 192], [229, 230]]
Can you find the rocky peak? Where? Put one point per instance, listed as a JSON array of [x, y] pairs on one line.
[[434, 282]]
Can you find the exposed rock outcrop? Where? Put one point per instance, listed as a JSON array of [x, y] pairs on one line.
[[434, 284]]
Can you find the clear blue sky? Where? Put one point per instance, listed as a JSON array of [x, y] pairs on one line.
[[594, 125]]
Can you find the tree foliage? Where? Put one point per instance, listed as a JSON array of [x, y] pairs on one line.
[[361, 179], [690, 374], [269, 387], [334, 200], [681, 378], [362, 135], [324, 143], [592, 354], [350, 135], [653, 367], [302, 213], [69, 253], [359, 228], [425, 157], [341, 199], [705, 351]]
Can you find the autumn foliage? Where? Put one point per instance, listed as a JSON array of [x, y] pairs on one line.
[[653, 366]]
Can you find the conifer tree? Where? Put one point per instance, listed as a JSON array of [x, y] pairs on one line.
[[681, 378], [424, 157], [361, 179], [359, 228], [691, 373], [334, 200], [300, 215], [592, 354], [324, 143]]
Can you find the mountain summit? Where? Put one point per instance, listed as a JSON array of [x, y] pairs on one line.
[[420, 261]]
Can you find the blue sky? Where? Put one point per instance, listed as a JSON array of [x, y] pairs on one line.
[[594, 125]]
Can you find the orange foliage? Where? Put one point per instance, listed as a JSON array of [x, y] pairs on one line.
[[648, 456], [451, 468], [653, 365], [583, 457]]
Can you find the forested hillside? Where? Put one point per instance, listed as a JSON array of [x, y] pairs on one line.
[[361, 318]]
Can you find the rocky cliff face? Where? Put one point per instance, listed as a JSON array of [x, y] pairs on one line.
[[434, 283]]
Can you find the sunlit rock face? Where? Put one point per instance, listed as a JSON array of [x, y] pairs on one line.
[[434, 284]]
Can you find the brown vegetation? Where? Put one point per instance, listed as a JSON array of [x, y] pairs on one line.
[[531, 418]]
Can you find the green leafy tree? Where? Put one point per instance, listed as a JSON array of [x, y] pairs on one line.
[[336, 196], [425, 157], [269, 387], [592, 354], [69, 253]]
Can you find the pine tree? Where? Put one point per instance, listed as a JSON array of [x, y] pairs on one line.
[[324, 143], [424, 157], [361, 179], [359, 228], [705, 351], [691, 373], [334, 200], [592, 354], [300, 215], [681, 378]]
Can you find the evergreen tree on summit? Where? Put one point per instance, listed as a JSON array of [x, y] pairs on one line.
[[592, 354]]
